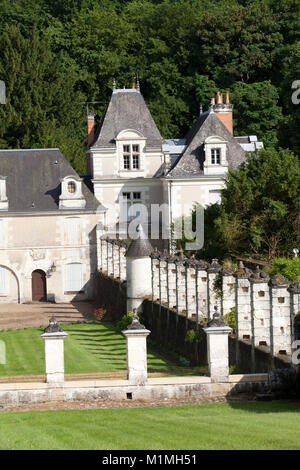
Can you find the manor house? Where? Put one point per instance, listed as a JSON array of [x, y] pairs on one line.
[[50, 217]]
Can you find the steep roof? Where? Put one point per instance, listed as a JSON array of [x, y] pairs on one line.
[[34, 177], [190, 163], [127, 110]]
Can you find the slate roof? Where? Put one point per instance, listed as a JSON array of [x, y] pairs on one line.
[[127, 110], [190, 163], [34, 176], [140, 246]]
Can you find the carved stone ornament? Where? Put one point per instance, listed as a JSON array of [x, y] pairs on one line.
[[37, 254], [53, 326], [135, 324]]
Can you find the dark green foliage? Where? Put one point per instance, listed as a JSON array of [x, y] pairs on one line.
[[260, 209], [230, 320], [54, 55], [289, 268]]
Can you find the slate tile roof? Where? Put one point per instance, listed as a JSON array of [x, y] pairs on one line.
[[33, 180], [127, 110], [190, 163]]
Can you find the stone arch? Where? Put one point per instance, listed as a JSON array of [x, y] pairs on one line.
[[14, 276]]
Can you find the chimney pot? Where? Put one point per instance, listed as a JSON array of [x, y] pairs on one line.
[[91, 126]]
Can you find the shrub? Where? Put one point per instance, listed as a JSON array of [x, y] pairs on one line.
[[193, 336], [126, 320], [229, 319], [289, 268]]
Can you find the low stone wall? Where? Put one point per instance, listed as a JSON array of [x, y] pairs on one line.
[[169, 330], [257, 359], [155, 389]]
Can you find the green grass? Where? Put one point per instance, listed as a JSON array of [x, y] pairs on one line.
[[89, 347], [252, 426]]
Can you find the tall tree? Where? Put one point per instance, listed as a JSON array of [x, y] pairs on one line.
[[42, 105]]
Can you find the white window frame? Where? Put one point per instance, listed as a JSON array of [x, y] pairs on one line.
[[215, 155], [73, 284], [3, 281], [69, 224], [127, 202], [131, 154]]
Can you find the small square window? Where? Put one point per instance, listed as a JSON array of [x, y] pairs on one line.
[[126, 195], [137, 196]]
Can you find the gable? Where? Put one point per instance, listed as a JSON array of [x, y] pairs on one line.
[[208, 126]]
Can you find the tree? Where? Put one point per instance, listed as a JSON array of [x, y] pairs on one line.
[[42, 107], [256, 110], [260, 208]]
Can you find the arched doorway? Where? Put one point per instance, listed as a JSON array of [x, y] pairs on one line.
[[38, 285]]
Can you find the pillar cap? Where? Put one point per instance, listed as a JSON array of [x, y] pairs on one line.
[[53, 329]]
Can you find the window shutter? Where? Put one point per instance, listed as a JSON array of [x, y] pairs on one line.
[[3, 280], [73, 277], [73, 226]]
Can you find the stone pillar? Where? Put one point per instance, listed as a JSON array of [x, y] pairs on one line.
[[217, 348], [213, 296], [280, 316], [136, 349], [243, 303], [260, 308], [53, 337], [202, 289], [138, 270]]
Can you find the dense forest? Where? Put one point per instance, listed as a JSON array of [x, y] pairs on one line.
[[55, 55]]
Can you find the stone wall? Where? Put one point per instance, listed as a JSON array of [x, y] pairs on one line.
[[264, 309]]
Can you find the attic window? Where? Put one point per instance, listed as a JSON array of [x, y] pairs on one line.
[[131, 157], [216, 156], [71, 187]]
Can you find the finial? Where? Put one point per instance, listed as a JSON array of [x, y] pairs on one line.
[[114, 85], [201, 109], [137, 82]]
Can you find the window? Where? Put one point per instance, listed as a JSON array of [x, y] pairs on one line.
[[73, 277], [71, 187], [128, 199], [3, 281], [216, 156], [131, 157], [73, 230]]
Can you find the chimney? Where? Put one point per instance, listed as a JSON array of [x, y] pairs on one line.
[[91, 124], [224, 111]]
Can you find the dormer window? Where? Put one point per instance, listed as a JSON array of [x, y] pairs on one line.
[[71, 187], [3, 196], [71, 193], [215, 156], [131, 157]]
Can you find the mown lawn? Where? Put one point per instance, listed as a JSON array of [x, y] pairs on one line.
[[252, 426], [89, 347]]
